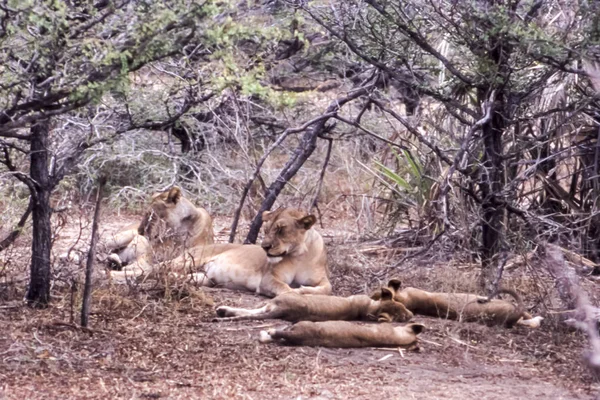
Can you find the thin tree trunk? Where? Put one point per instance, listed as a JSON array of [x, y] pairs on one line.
[[8, 240], [491, 184], [301, 154], [39, 285], [89, 267]]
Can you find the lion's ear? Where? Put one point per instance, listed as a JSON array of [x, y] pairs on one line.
[[386, 294], [376, 295], [416, 328], [395, 284], [174, 195], [384, 317], [306, 222], [267, 215]]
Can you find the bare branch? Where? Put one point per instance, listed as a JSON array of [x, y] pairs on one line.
[[8, 240], [261, 161]]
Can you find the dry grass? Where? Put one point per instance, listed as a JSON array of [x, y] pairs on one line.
[[144, 344], [157, 341]]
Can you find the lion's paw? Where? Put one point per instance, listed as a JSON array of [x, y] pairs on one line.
[[222, 311]]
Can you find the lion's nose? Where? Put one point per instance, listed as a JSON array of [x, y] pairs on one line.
[[266, 246]]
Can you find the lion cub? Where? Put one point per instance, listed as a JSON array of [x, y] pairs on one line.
[[345, 334], [463, 306], [294, 307]]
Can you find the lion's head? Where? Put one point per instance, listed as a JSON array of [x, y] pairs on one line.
[[390, 310], [285, 231], [167, 213], [394, 286]]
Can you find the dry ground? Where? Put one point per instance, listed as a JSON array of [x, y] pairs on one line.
[[154, 343]]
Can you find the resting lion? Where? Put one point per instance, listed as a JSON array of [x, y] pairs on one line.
[[171, 223], [463, 306], [345, 334], [292, 257], [297, 307]]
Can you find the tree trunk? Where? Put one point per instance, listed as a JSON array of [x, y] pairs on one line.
[[89, 267], [301, 154], [491, 184], [39, 284]]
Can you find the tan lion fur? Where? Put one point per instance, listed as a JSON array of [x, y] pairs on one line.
[[463, 306], [171, 223], [292, 258], [297, 307], [345, 334]]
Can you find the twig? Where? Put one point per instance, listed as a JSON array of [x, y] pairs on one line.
[[370, 133], [488, 108], [259, 164], [141, 312], [387, 356], [302, 152], [8, 240], [439, 152], [322, 174], [87, 290], [78, 328], [461, 342]]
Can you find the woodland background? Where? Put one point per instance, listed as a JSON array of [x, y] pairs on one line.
[[457, 133]]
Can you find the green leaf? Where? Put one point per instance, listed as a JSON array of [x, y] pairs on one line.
[[414, 164], [397, 179]]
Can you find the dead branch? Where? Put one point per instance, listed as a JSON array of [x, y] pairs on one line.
[[487, 109], [413, 131], [87, 290], [261, 161], [8, 240], [370, 133], [301, 153], [322, 174]]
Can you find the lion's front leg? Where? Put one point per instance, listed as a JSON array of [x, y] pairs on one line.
[[323, 287], [131, 272], [272, 286]]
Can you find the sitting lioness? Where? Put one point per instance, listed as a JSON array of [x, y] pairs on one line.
[[296, 307], [171, 223], [292, 257], [345, 334], [463, 306]]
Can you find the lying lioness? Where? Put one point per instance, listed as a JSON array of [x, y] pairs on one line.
[[345, 334], [463, 306], [171, 223], [296, 307], [292, 258]]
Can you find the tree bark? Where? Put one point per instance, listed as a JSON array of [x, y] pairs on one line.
[[38, 294], [8, 240], [89, 267], [491, 184], [301, 154]]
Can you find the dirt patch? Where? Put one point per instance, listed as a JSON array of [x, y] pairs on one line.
[[156, 342], [152, 348]]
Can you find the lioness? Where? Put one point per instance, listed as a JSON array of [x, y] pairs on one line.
[[292, 257], [463, 306], [170, 221], [345, 334], [296, 307]]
